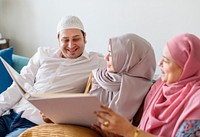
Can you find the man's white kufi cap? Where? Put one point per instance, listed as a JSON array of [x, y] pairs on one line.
[[69, 22]]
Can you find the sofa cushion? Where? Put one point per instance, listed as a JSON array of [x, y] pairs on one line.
[[18, 62], [5, 79]]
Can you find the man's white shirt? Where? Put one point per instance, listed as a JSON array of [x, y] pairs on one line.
[[49, 73]]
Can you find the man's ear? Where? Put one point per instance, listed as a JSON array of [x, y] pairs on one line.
[[58, 36], [85, 37]]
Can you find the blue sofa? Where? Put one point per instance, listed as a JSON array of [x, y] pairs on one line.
[[19, 62], [16, 61]]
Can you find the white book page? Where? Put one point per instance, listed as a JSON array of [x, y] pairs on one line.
[[24, 86]]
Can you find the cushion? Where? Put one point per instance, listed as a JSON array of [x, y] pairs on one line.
[[19, 62], [58, 130], [5, 79]]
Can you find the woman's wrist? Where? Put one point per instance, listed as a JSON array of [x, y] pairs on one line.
[[130, 132], [137, 132]]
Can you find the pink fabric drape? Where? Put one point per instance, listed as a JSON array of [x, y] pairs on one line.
[[167, 106]]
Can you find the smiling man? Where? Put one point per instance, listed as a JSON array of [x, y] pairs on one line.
[[64, 69], [71, 37]]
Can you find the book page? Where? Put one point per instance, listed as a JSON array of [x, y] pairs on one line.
[[57, 95], [24, 86]]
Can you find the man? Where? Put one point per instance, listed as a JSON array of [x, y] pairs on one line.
[[50, 70]]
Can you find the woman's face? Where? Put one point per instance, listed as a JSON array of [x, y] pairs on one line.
[[108, 59], [171, 72]]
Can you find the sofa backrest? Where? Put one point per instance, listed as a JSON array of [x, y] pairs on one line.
[[18, 62]]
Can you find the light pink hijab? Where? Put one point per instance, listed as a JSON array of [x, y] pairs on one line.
[[134, 63], [167, 106]]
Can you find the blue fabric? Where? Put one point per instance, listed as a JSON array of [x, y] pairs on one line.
[[16, 132], [189, 128], [5, 79], [12, 124]]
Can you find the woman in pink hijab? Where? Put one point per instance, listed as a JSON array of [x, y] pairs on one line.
[[125, 82], [172, 107]]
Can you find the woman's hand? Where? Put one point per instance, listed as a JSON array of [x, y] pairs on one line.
[[46, 119], [109, 121]]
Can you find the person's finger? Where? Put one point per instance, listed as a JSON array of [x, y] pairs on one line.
[[47, 120], [102, 114], [42, 114], [95, 127], [103, 117], [100, 120], [107, 110]]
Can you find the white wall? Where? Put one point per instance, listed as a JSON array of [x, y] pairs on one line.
[[0, 14], [32, 23]]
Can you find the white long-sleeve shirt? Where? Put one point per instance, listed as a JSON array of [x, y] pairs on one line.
[[49, 73]]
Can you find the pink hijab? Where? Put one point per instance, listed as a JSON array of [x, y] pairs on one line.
[[167, 106], [134, 63]]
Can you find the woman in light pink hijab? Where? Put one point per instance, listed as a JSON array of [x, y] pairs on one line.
[[130, 68], [172, 107]]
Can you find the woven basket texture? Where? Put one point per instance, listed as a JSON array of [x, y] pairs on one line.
[[58, 130]]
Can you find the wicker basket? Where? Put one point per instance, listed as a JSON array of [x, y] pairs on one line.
[[58, 130]]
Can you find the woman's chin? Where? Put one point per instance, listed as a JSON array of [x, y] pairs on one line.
[[163, 78]]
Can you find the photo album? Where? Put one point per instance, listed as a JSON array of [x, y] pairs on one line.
[[61, 108]]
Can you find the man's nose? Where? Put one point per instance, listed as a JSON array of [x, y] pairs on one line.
[[70, 44]]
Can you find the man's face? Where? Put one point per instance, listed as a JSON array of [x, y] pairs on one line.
[[71, 42]]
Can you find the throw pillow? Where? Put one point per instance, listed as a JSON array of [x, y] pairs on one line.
[[5, 79]]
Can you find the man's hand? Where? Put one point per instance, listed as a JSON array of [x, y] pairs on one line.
[[46, 119]]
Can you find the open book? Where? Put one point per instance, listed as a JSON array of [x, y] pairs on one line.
[[77, 108]]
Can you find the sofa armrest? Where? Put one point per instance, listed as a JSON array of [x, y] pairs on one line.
[[18, 62]]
